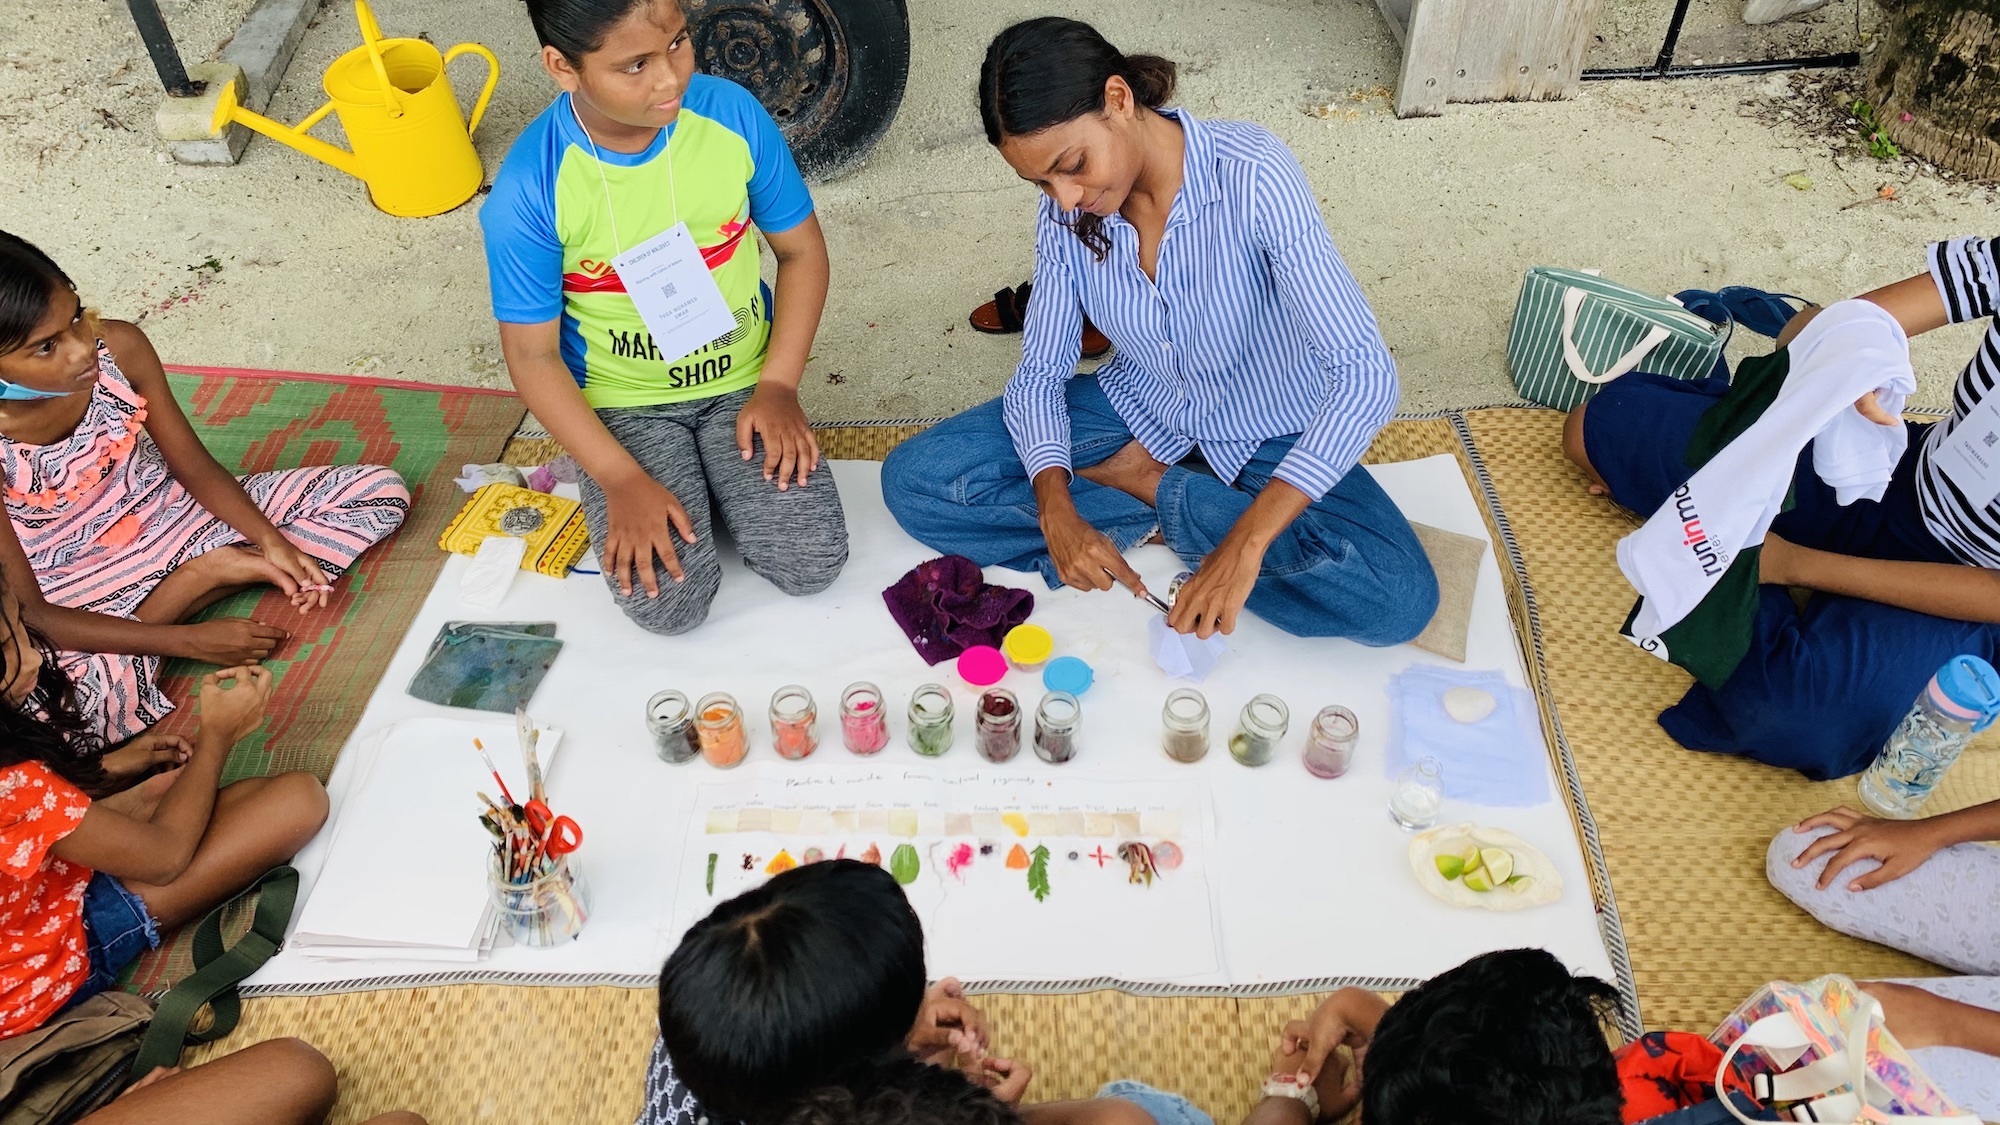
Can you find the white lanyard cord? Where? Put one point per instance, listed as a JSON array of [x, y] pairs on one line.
[[673, 193]]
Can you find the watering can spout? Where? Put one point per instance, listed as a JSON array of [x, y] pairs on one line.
[[229, 109]]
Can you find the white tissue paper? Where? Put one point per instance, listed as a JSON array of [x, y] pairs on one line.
[[486, 582], [472, 478], [1183, 654]]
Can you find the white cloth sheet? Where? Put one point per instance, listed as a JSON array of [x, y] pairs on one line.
[[1309, 881]]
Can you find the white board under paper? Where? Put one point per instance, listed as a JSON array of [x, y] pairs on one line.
[[1310, 879], [408, 865]]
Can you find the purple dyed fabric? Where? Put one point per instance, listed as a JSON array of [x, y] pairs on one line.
[[946, 606]]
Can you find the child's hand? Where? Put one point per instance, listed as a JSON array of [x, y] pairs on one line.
[[233, 711], [947, 1027], [641, 517], [789, 444], [296, 573], [1008, 1080], [1901, 846], [230, 641]]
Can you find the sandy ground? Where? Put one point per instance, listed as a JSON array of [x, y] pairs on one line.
[[281, 262]]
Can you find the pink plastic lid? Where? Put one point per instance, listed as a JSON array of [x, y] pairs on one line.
[[981, 665]]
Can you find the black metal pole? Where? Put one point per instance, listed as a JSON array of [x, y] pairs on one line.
[[160, 44], [1712, 70]]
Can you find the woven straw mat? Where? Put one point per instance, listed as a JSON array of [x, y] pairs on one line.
[[1684, 835]]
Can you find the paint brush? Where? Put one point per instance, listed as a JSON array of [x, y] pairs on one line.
[[1141, 593], [494, 770]]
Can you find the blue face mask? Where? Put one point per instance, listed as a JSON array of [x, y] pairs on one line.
[[15, 392]]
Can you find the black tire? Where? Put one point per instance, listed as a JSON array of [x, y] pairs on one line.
[[831, 72]]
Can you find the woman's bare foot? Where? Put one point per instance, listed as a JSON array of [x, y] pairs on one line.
[[140, 759], [202, 581], [1131, 470], [140, 800]]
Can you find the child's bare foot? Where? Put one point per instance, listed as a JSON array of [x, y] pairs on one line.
[[1131, 470], [140, 800], [139, 760], [204, 580]]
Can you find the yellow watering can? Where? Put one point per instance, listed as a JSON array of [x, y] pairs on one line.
[[411, 147]]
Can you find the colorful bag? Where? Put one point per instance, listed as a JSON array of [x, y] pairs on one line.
[[1574, 331], [552, 525], [1822, 1048]]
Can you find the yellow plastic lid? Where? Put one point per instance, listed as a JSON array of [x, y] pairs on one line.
[[1028, 645]]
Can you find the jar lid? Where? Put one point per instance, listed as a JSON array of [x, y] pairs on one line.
[[981, 665], [1971, 684], [1067, 673], [1028, 645]]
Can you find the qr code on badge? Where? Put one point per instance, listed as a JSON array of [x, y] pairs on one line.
[[668, 290]]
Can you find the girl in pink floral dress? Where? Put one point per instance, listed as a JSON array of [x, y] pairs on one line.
[[121, 526]]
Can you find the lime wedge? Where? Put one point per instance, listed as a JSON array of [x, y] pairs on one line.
[[1478, 881], [1450, 866], [1499, 863], [1520, 883]]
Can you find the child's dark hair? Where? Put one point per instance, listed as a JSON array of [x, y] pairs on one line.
[[1508, 1038], [786, 987], [29, 279], [577, 27], [1042, 72], [46, 727], [902, 1092]]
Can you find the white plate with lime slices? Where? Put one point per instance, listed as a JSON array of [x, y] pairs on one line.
[[1469, 866]]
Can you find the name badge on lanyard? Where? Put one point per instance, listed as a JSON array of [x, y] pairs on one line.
[[675, 293], [1968, 455]]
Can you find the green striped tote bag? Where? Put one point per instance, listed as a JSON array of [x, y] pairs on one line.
[[1574, 332]]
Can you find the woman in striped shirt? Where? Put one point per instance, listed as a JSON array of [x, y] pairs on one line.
[[1900, 585], [1198, 248]]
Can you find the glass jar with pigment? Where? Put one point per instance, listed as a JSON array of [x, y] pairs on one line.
[[1056, 723], [670, 720], [864, 727], [794, 722], [999, 725], [931, 715], [1259, 729], [719, 728], [1185, 718]]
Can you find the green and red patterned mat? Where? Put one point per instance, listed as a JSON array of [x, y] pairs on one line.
[[259, 421]]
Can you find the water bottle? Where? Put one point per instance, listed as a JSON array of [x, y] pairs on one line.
[[1959, 702]]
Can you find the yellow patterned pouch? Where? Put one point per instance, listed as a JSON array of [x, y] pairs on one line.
[[552, 525]]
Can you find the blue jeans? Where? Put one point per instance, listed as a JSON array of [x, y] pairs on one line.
[[117, 931], [1821, 688], [1162, 1107], [1350, 566]]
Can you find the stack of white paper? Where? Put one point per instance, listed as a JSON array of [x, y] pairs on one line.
[[406, 865]]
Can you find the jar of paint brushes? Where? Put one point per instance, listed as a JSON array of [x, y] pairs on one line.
[[999, 731], [1185, 718], [719, 728], [864, 728], [1056, 723], [1259, 729], [931, 715], [543, 906], [794, 722], [670, 720]]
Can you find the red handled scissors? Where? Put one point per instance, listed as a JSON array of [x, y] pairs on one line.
[[557, 835]]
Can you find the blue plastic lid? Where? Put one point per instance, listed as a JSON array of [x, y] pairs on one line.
[[1972, 684], [1067, 673]]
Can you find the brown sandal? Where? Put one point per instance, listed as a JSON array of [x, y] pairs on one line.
[[1004, 314]]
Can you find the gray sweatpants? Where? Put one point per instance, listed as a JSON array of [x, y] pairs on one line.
[[797, 538]]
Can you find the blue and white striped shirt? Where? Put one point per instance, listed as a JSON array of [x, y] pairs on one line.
[[1254, 330]]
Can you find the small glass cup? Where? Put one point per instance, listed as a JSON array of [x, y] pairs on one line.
[[1056, 722], [794, 722], [931, 715], [999, 725], [1185, 717], [719, 728], [545, 910], [1330, 743], [1259, 729], [1418, 796], [670, 720], [864, 725]]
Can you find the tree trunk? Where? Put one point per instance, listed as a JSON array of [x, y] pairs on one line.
[[1935, 82]]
